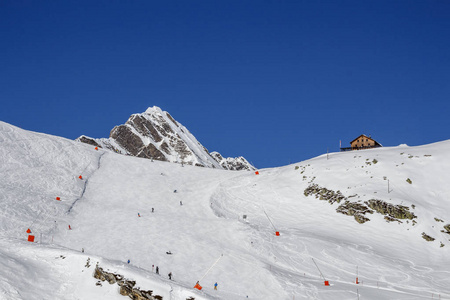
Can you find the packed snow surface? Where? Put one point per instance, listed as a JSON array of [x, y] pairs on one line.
[[219, 226]]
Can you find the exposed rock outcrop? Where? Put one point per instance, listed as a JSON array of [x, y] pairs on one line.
[[427, 237], [87, 140], [324, 194], [127, 287], [395, 212], [359, 210], [447, 228]]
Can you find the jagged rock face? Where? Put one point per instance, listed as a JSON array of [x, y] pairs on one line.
[[230, 163], [155, 134]]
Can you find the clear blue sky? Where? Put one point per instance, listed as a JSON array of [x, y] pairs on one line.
[[274, 81]]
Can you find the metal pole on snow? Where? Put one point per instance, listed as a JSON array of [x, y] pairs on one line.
[[318, 269], [270, 221], [211, 267]]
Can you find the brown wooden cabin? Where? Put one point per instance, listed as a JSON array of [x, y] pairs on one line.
[[362, 142]]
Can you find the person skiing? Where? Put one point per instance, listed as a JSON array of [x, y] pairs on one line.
[[181, 203], [128, 261], [170, 275], [215, 286], [153, 210], [157, 270]]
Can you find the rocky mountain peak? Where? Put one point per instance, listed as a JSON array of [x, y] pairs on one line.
[[155, 134]]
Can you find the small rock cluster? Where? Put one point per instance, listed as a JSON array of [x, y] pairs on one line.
[[126, 286], [324, 194], [427, 237], [374, 161]]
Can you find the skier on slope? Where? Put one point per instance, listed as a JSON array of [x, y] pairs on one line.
[[170, 275], [215, 286]]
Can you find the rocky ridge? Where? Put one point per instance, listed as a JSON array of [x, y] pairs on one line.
[[391, 212], [155, 134]]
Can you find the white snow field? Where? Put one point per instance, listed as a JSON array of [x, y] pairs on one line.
[[392, 259]]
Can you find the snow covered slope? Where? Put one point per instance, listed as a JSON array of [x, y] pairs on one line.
[[127, 208], [156, 135]]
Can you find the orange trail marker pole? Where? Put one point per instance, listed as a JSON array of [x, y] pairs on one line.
[[357, 282], [326, 282]]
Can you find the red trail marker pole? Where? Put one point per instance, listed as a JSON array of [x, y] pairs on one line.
[[357, 282]]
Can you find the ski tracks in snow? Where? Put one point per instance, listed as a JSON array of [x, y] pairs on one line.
[[85, 182], [288, 257]]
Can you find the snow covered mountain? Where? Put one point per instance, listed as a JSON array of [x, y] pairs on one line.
[[156, 135], [378, 217], [232, 163]]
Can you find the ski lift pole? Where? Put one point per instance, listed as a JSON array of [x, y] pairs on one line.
[[211, 267]]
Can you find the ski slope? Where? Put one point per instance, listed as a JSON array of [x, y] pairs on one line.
[[110, 215]]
